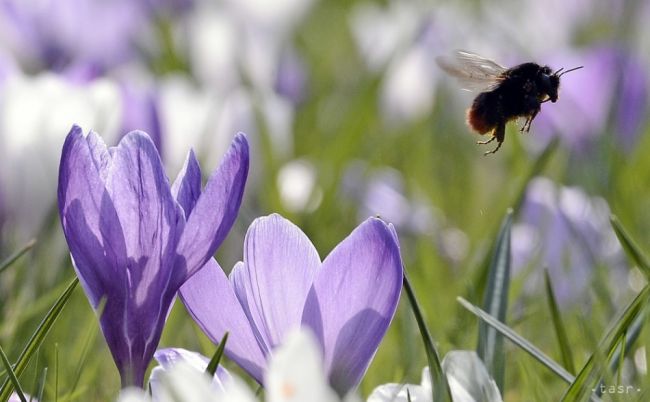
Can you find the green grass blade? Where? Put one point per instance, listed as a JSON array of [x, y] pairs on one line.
[[214, 362], [56, 372], [519, 341], [38, 337], [91, 330], [12, 377], [558, 325], [15, 256], [631, 337], [41, 385], [588, 378], [440, 387], [629, 245], [490, 342]]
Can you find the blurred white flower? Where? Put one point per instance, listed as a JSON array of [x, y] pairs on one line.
[[181, 383], [296, 374], [170, 357], [466, 374], [36, 113], [409, 85], [380, 32], [297, 186]]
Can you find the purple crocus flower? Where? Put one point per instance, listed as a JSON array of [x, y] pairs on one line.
[[48, 34], [348, 300], [140, 112], [134, 240], [568, 231]]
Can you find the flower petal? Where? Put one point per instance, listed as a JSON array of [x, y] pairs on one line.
[[296, 371], [216, 209], [277, 256], [133, 394], [151, 222], [353, 301], [399, 393], [81, 196], [183, 381], [168, 358], [468, 378], [187, 186], [211, 301], [122, 226]]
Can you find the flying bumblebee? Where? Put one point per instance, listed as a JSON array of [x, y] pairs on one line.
[[506, 93]]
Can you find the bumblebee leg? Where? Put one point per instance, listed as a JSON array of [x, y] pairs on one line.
[[526, 123], [499, 134], [531, 118], [487, 141]]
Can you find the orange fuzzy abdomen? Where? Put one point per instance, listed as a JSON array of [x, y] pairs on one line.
[[478, 121]]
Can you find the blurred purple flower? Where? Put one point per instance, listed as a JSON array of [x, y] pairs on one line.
[[348, 300], [140, 112], [382, 192], [134, 240], [613, 85], [564, 229], [291, 78], [15, 398], [55, 34]]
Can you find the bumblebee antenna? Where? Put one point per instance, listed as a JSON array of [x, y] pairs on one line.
[[560, 73]]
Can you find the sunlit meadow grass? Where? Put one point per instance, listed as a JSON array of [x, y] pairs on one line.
[[340, 121]]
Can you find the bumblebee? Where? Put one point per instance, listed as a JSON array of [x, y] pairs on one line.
[[505, 93]]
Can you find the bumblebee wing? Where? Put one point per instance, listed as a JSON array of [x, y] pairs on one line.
[[474, 72]]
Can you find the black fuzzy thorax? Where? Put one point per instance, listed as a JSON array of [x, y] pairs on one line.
[[516, 95]]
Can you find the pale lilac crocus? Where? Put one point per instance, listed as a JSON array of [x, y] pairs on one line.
[[170, 357], [134, 239], [348, 300]]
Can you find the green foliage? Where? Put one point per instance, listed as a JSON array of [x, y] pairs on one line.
[[216, 358], [341, 129], [440, 387], [490, 343], [37, 338]]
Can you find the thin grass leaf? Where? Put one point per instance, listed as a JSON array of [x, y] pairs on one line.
[[214, 362], [91, 330], [490, 342], [588, 378], [621, 351], [631, 248], [12, 376], [41, 385], [519, 341], [15, 256], [558, 325], [631, 336], [56, 372], [440, 387], [36, 377], [38, 337]]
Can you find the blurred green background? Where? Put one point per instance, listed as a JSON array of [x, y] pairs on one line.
[[375, 128]]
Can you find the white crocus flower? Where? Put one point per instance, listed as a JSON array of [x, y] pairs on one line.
[[181, 383], [296, 374], [466, 374]]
